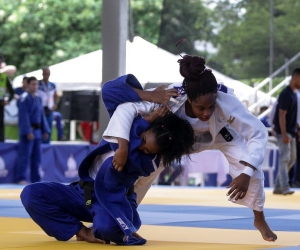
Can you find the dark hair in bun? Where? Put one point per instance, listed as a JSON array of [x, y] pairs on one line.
[[198, 80]]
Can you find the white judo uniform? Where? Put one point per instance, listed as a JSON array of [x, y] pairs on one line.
[[248, 144]]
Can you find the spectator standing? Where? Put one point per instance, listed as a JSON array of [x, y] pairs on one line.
[[5, 86], [285, 126], [56, 115], [292, 171], [32, 127], [296, 173], [47, 91]]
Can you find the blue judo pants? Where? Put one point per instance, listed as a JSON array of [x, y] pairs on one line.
[[58, 118], [49, 119], [59, 210], [29, 155]]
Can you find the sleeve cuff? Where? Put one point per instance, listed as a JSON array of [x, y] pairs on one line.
[[251, 160], [248, 171]]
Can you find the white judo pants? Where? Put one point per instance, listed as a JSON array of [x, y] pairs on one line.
[[233, 151]]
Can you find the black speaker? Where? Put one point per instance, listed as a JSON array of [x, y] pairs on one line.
[[66, 105], [80, 105]]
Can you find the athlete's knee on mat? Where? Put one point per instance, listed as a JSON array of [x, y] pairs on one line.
[[29, 195], [63, 237]]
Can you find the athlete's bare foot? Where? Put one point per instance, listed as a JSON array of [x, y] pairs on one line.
[[261, 224], [86, 234], [79, 238]]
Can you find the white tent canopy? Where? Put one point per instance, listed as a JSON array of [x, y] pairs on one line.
[[143, 59], [146, 61]]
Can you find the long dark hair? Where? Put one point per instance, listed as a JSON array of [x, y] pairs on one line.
[[174, 137]]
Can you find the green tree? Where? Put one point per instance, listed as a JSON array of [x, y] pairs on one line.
[[38, 33], [147, 18], [185, 19], [165, 22], [35, 33], [244, 36]]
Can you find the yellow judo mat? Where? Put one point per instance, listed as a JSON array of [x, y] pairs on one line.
[[173, 218]]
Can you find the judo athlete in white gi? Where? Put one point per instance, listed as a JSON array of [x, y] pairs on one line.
[[220, 121], [105, 195], [32, 128]]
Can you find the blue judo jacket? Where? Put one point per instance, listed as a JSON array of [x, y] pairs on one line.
[[111, 186]]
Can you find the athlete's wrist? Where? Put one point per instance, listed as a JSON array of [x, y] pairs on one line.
[[248, 171]]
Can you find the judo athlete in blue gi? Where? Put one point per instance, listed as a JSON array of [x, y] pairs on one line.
[[32, 128], [59, 209]]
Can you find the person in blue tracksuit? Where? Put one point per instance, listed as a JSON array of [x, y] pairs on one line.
[[32, 127], [111, 206], [57, 115]]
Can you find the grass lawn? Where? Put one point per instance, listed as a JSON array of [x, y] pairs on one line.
[[12, 132]]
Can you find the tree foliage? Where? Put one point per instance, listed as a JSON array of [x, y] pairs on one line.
[[244, 36], [147, 19], [184, 19], [39, 33], [35, 33]]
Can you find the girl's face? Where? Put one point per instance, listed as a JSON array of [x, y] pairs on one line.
[[148, 145], [204, 106]]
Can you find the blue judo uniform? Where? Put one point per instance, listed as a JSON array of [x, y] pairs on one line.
[[114, 210], [31, 120]]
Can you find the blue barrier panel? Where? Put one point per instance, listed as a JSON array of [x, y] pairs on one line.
[[59, 162]]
